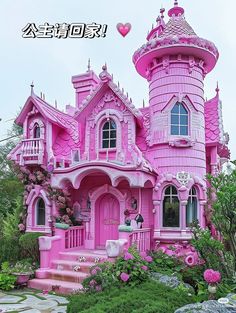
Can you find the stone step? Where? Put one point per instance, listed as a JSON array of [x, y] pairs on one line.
[[69, 276], [71, 265], [96, 256], [59, 286]]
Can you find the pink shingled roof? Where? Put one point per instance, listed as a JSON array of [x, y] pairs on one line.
[[213, 120], [177, 26]]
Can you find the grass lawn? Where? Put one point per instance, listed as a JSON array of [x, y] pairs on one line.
[[148, 297]]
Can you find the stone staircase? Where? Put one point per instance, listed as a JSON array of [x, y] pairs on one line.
[[68, 271]]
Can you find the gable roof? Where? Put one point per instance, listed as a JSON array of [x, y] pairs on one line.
[[51, 114], [213, 121], [106, 80]]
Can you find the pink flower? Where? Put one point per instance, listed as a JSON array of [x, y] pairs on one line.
[[190, 260], [148, 258], [128, 256], [92, 283], [144, 267], [45, 292], [211, 276], [98, 288], [21, 227], [94, 272], [124, 277], [32, 177], [143, 255]]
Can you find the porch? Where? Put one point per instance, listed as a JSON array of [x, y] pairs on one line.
[[64, 263]]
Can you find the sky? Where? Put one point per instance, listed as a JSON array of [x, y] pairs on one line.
[[50, 63]]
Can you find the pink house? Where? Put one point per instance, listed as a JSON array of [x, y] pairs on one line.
[[112, 163]]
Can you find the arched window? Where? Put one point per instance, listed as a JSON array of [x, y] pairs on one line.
[[191, 209], [36, 131], [40, 212], [179, 120], [171, 207], [109, 135]]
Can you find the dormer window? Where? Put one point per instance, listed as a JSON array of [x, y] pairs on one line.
[[109, 135], [179, 120], [36, 131]]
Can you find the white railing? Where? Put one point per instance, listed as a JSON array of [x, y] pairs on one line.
[[142, 239], [74, 237], [32, 151]]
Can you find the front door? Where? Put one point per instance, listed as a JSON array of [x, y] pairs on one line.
[[107, 219]]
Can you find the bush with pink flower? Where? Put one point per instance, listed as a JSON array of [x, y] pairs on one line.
[[211, 276], [131, 268]]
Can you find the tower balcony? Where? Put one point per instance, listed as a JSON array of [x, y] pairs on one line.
[[32, 151]]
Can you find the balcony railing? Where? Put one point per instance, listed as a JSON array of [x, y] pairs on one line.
[[142, 239], [32, 151]]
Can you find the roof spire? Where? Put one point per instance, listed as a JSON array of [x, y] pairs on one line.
[[162, 11], [32, 88], [176, 10], [89, 65], [104, 75], [217, 88]]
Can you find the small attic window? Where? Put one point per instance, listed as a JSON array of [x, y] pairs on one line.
[[36, 131], [109, 135]]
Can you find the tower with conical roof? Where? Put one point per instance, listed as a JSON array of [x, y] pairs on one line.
[[175, 61]]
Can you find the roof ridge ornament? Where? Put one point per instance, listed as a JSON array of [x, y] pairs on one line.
[[32, 89], [176, 10], [104, 75], [217, 88]]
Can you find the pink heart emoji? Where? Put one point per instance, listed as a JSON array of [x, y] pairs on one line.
[[123, 29]]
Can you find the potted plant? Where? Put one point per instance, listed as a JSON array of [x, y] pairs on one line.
[[22, 270]]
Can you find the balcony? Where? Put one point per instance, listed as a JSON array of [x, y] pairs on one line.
[[32, 151]]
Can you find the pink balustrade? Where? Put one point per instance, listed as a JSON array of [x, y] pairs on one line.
[[74, 237], [32, 151], [63, 240], [141, 238]]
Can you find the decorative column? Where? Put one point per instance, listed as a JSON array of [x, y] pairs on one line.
[[157, 217], [183, 205]]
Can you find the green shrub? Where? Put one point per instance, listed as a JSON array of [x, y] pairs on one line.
[[29, 245], [7, 282], [9, 250], [130, 269], [148, 297], [166, 264]]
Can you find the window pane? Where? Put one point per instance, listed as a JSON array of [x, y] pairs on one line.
[[175, 109], [106, 125], [191, 211], [170, 212], [105, 134], [113, 134], [105, 143], [183, 110], [112, 143], [184, 120], [167, 192], [174, 130], [184, 130], [40, 212], [112, 125], [174, 119]]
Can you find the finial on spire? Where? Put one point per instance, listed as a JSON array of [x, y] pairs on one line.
[[32, 88], [217, 88], [176, 3], [162, 11], [89, 65], [143, 103], [104, 75], [104, 68]]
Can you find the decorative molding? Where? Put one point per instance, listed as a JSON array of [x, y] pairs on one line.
[[183, 178]]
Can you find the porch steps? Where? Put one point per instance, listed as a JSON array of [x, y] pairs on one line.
[[64, 287], [68, 271]]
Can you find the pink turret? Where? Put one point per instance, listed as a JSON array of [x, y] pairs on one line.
[[175, 61]]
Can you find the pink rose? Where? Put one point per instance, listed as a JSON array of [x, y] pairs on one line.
[[143, 255], [98, 288], [92, 283], [211, 276], [144, 267], [128, 256], [124, 277], [21, 227], [148, 258]]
